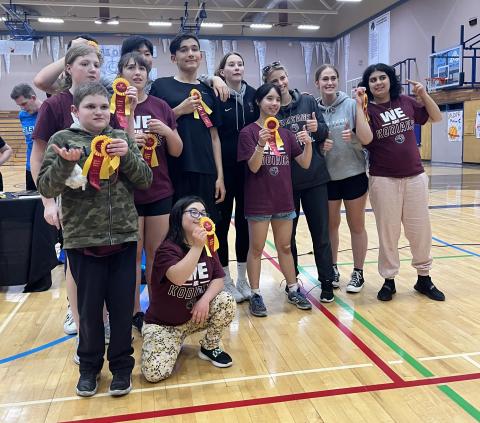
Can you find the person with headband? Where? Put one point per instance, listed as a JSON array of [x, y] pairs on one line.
[[300, 114]]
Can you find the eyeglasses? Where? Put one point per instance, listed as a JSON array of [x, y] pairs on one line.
[[271, 66], [196, 214]]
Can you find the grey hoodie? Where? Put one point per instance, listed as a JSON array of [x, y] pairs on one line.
[[345, 159]]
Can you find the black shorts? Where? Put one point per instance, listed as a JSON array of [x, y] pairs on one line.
[[348, 188], [157, 208]]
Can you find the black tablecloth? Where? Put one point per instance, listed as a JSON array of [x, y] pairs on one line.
[[27, 245]]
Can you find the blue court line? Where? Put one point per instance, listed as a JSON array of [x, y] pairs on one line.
[[37, 349], [455, 247]]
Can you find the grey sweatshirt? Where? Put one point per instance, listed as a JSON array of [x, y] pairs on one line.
[[345, 159]]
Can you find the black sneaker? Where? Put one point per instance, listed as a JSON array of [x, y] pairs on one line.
[[426, 287], [326, 296], [87, 384], [356, 282], [137, 321], [336, 277], [387, 291], [217, 357], [121, 384]]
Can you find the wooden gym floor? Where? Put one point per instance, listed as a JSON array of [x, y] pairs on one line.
[[355, 360]]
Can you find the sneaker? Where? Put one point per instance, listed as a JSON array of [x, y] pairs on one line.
[[387, 291], [232, 290], [216, 356], [137, 321], [244, 288], [69, 326], [426, 287], [356, 282], [107, 333], [121, 384], [336, 277], [297, 298], [257, 307], [87, 384], [76, 358], [326, 296]]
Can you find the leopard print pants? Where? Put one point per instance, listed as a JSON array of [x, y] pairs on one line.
[[162, 344]]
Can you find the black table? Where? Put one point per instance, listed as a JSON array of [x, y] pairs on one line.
[[27, 244]]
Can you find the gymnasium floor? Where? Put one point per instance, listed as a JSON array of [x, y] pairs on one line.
[[355, 360]]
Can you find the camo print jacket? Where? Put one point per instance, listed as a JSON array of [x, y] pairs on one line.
[[91, 217]]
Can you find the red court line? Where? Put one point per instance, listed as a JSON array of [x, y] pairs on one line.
[[280, 398], [354, 338]]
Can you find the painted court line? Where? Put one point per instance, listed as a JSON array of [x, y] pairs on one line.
[[280, 399], [471, 361], [13, 313], [223, 381], [463, 250]]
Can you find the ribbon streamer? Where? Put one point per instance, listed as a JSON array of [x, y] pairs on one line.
[[212, 243], [148, 150], [203, 110], [119, 104], [365, 107], [99, 165], [275, 142]]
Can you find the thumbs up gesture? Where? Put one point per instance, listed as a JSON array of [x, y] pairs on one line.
[[303, 136], [347, 132], [312, 124]]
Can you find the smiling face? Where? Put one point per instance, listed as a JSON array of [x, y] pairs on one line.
[[327, 82], [93, 113], [234, 69], [84, 69], [188, 57], [279, 78], [135, 74], [379, 84], [270, 104]]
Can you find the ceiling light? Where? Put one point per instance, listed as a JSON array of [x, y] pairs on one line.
[[3, 18], [261, 26], [351, 1], [211, 25], [98, 21], [113, 22], [50, 20], [158, 23], [309, 27]]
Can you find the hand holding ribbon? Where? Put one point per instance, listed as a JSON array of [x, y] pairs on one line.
[[120, 104], [275, 142], [202, 111], [148, 150], [212, 243]]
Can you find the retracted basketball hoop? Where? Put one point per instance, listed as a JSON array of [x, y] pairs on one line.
[[435, 82]]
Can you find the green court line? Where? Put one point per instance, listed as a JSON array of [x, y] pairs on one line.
[[454, 396], [376, 261]]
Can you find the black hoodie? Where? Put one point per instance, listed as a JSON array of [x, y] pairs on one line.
[[294, 116], [237, 112]]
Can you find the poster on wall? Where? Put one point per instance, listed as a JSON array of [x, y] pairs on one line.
[[455, 126], [379, 39], [477, 126]]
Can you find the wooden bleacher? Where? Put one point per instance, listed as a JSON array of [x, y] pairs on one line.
[[11, 132]]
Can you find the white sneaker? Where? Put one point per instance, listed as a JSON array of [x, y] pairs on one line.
[[244, 288], [232, 290], [76, 358], [69, 326]]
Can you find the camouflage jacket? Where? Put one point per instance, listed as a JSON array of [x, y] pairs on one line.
[[91, 217]]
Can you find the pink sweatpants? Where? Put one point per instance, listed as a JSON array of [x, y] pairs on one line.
[[397, 201]]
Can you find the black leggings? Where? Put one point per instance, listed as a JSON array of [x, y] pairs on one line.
[[234, 184], [315, 206]]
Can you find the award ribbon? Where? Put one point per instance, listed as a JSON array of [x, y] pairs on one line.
[[212, 243], [93, 44], [119, 104], [99, 165], [203, 110], [365, 107], [275, 142], [148, 150]]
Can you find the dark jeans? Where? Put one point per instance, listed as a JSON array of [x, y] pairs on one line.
[[315, 207], [234, 177], [29, 183], [109, 279]]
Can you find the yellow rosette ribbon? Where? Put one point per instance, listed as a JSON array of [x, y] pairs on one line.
[[93, 44], [212, 243], [99, 165], [148, 150], [119, 104], [203, 110], [275, 142], [365, 107]]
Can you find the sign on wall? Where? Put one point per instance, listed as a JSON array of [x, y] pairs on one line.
[[379, 40], [455, 126]]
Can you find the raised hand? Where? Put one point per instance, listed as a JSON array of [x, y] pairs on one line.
[[69, 154], [189, 105], [117, 147], [360, 93], [312, 124], [303, 137], [327, 145], [199, 236], [264, 136], [347, 132], [418, 88], [157, 126], [132, 95]]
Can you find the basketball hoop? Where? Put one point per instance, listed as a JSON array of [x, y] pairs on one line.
[[435, 82]]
